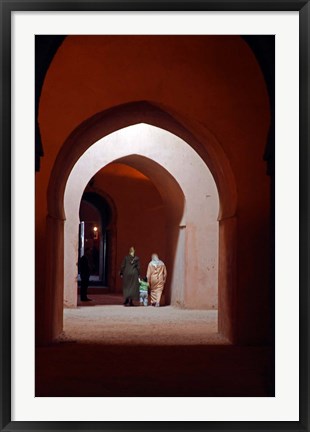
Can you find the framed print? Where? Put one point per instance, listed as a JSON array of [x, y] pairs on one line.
[[154, 215]]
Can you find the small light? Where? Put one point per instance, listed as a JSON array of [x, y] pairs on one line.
[[95, 229]]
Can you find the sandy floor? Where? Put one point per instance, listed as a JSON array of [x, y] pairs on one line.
[[95, 322]]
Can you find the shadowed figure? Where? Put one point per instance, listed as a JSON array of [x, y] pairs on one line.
[[130, 272], [84, 270]]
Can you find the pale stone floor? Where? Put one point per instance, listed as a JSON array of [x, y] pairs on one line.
[[106, 321]]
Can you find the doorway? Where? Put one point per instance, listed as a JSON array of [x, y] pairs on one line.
[[95, 217]]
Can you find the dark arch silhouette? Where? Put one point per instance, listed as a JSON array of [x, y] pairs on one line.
[[101, 204], [105, 212]]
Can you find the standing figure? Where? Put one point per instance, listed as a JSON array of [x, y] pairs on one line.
[[144, 291], [156, 275], [130, 272], [84, 270]]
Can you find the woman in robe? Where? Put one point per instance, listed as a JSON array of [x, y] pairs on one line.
[[156, 276], [130, 272]]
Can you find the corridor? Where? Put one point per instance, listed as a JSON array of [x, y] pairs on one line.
[[162, 145]]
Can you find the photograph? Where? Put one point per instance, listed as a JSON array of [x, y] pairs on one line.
[[154, 216]]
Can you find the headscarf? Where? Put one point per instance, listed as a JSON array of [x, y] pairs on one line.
[[156, 262]]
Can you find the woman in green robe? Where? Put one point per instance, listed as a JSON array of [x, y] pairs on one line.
[[130, 272]]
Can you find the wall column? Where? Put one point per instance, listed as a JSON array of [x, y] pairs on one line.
[[53, 298], [227, 277]]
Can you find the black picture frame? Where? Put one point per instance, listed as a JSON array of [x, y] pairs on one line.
[[6, 7]]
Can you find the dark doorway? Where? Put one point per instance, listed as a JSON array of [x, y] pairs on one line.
[[95, 217]]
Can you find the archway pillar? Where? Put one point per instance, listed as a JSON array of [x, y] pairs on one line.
[[175, 295], [53, 290], [70, 249], [227, 277]]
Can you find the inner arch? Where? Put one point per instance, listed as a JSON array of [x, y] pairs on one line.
[[191, 204], [130, 114]]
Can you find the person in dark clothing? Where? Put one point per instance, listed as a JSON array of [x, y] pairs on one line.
[[130, 272], [84, 269]]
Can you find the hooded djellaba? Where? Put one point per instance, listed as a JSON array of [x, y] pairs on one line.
[[130, 272], [156, 276]]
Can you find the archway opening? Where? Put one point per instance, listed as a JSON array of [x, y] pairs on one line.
[[95, 216], [150, 207], [163, 206], [143, 139]]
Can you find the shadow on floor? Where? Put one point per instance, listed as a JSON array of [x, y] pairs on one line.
[[125, 367], [75, 369]]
